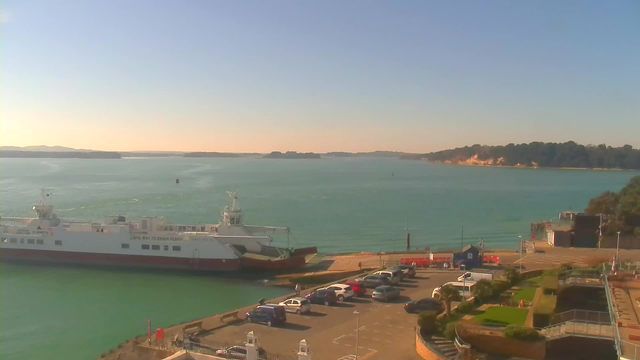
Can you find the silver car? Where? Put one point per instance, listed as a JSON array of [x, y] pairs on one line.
[[385, 293], [296, 305]]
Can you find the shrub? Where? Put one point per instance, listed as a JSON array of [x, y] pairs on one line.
[[499, 286], [483, 290], [450, 330], [465, 307], [512, 275], [427, 321], [522, 333]]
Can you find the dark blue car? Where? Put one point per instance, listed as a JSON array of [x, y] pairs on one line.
[[268, 314]]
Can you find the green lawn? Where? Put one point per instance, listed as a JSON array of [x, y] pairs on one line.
[[503, 315], [525, 293], [534, 281]]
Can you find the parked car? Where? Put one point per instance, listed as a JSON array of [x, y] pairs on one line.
[[326, 297], [426, 304], [233, 352], [394, 276], [475, 276], [268, 314], [358, 288], [373, 281], [343, 291], [296, 305], [465, 288], [385, 293], [408, 270]]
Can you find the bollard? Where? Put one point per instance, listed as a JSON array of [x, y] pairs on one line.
[[252, 346], [304, 351]]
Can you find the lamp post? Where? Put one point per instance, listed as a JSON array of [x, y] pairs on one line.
[[520, 253], [618, 248], [357, 330]]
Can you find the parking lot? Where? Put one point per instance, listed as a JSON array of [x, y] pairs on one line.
[[385, 330]]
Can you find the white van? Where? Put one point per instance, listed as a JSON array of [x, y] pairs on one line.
[[464, 288], [392, 275], [475, 276]]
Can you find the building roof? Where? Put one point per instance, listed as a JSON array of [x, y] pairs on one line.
[[560, 227], [469, 247]]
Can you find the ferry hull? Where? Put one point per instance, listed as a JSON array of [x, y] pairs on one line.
[[138, 261], [276, 265]]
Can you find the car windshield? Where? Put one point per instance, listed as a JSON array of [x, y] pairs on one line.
[[304, 302], [348, 288]]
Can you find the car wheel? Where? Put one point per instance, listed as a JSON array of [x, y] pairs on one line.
[[298, 311], [340, 298], [269, 323], [326, 302]]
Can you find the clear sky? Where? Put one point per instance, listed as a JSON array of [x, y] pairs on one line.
[[257, 76]]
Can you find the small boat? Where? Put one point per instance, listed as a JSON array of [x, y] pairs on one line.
[[177, 181]]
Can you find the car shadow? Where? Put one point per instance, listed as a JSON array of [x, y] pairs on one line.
[[408, 281], [420, 277], [343, 305], [359, 301], [400, 300], [401, 285], [292, 326], [314, 314]]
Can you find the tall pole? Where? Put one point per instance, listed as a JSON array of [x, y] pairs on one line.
[[600, 231], [357, 331], [520, 253], [618, 249]]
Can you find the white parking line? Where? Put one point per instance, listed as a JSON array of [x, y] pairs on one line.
[[335, 341]]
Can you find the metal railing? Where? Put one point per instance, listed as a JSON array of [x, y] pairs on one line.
[[579, 328], [598, 317], [612, 312]]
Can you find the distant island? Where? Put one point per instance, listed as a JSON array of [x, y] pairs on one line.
[[60, 154], [539, 154], [211, 154], [391, 154], [291, 155]]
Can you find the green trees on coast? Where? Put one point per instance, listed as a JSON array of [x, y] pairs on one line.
[[621, 210], [568, 154]]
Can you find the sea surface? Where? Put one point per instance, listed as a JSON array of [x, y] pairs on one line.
[[337, 204]]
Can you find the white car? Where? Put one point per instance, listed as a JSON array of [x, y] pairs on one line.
[[390, 274], [343, 291], [296, 305]]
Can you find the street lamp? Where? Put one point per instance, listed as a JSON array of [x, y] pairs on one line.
[[520, 253], [618, 248], [357, 330]]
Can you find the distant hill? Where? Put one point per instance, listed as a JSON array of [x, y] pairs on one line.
[[60, 154], [395, 154], [43, 148], [538, 154], [211, 154], [291, 155]]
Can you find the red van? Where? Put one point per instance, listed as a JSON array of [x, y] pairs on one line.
[[358, 288]]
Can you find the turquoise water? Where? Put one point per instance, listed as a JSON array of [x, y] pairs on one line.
[[339, 205]]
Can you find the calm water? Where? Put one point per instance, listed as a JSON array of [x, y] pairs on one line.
[[339, 205]]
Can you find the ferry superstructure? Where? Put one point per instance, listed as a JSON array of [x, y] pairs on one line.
[[149, 242]]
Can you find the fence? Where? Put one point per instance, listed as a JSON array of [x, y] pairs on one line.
[[597, 317]]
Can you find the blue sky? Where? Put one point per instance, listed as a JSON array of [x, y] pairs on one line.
[[318, 76]]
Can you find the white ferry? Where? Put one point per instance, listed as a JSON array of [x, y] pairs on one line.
[[149, 242]]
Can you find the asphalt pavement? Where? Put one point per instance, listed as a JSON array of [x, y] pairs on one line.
[[384, 330]]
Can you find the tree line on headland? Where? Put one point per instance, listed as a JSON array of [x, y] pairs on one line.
[[539, 154], [621, 210]]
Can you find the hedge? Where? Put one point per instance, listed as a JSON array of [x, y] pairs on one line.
[[522, 333]]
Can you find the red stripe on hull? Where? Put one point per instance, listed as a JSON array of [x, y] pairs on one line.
[[68, 257]]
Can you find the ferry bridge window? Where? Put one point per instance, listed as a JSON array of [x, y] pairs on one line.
[[40, 242], [31, 241], [155, 247], [145, 247], [21, 241], [125, 246], [13, 240], [176, 248], [166, 247], [58, 242]]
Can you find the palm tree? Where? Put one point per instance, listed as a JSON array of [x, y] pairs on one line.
[[448, 293]]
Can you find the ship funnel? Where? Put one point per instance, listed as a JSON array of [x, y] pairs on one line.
[[232, 216]]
